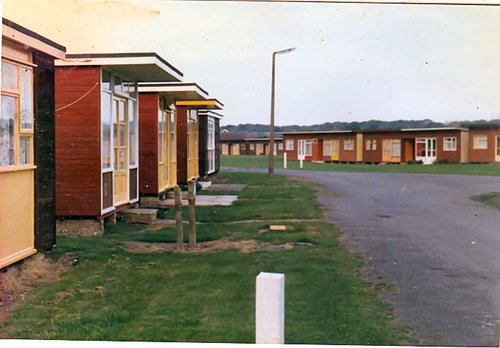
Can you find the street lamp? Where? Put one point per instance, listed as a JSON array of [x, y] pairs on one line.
[[270, 171]]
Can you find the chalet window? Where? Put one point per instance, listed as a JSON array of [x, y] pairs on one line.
[[480, 142], [280, 146], [211, 145], [450, 144], [308, 145], [252, 147], [289, 145], [371, 144], [133, 134], [396, 148], [260, 148], [162, 137], [119, 126], [243, 146], [106, 130], [16, 118], [348, 144], [327, 148]]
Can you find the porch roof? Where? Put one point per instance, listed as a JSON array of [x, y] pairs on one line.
[[146, 67], [209, 104], [26, 37], [209, 113], [176, 90]]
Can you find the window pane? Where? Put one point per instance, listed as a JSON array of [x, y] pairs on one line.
[[106, 80], [106, 130], [25, 150], [118, 84], [132, 132], [121, 158], [173, 145], [121, 111], [26, 99], [7, 131], [9, 75], [396, 148]]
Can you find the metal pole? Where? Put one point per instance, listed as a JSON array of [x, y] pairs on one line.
[[270, 171]]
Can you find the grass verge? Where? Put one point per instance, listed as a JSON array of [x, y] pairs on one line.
[[112, 294], [459, 169], [492, 199]]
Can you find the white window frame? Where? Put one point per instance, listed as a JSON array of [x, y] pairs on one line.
[[289, 144], [252, 147], [450, 144], [280, 146], [348, 144], [327, 144], [308, 147], [211, 145], [480, 142], [371, 144]]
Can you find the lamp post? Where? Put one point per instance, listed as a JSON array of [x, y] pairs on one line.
[[270, 171]]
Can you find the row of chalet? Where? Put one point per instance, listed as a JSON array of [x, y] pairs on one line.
[[472, 144], [241, 143], [89, 135]]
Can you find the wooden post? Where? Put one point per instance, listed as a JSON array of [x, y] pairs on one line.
[[178, 217], [192, 216], [284, 160]]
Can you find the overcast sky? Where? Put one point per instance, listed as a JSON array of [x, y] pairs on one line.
[[352, 63]]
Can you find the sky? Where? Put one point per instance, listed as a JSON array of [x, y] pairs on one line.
[[352, 63]]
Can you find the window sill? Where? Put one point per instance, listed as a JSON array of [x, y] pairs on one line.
[[18, 168]]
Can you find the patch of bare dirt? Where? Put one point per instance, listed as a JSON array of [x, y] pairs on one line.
[[79, 228], [245, 246], [19, 279]]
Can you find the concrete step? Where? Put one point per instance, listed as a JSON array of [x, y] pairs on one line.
[[139, 215]]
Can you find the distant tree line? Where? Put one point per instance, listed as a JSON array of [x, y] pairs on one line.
[[365, 125]]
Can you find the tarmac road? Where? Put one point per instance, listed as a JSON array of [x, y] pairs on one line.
[[423, 235]]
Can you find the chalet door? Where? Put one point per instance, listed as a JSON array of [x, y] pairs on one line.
[[172, 159], [425, 150], [120, 141], [391, 150], [335, 149], [386, 150], [163, 164], [301, 149]]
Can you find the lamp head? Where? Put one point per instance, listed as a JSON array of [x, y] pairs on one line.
[[288, 50]]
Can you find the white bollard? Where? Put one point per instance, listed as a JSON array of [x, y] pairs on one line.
[[270, 308], [301, 163], [284, 160]]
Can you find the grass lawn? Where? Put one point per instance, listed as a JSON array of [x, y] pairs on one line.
[[464, 169], [112, 294], [492, 199]]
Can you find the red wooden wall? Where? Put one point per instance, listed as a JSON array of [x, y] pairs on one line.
[[182, 150], [78, 139], [148, 143]]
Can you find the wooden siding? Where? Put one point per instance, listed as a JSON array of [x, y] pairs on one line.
[[483, 155], [182, 144], [78, 138], [148, 144], [44, 155]]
